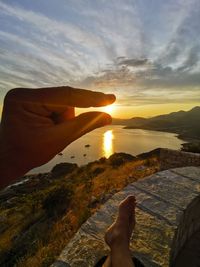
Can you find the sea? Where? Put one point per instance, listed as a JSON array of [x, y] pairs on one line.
[[105, 141]]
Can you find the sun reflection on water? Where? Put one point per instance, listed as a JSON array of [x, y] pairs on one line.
[[108, 143]]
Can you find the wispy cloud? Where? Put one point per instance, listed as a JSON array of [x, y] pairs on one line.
[[140, 50]]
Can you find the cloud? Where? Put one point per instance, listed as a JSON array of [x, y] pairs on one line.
[[144, 52], [50, 26], [134, 62], [158, 96], [59, 43], [192, 61], [153, 75], [183, 33]]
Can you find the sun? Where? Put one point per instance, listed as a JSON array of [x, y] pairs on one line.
[[109, 109]]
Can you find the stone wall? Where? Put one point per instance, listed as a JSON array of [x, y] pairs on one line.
[[190, 219], [173, 159], [167, 216], [189, 224]]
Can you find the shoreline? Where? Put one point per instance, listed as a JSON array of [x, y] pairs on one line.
[[178, 135]]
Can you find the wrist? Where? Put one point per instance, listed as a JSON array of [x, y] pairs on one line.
[[10, 165]]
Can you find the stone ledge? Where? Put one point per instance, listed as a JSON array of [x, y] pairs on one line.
[[173, 158], [167, 215]]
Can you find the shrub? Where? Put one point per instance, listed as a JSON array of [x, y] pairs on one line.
[[117, 159], [97, 171], [191, 147], [63, 169], [57, 202], [102, 160]]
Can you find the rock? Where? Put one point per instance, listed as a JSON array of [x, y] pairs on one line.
[[6, 194], [193, 147], [10, 203], [63, 169], [156, 152], [117, 159]]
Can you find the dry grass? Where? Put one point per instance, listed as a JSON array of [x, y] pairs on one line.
[[85, 186]]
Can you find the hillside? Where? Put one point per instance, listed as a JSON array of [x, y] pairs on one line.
[[184, 123], [40, 214]]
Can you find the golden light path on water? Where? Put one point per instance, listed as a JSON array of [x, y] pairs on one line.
[[108, 143]]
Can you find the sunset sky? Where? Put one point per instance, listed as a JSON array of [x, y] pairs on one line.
[[147, 52]]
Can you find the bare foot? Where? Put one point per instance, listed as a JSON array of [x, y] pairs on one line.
[[119, 233]]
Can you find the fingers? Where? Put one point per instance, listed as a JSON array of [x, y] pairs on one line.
[[68, 114], [71, 130], [67, 96], [131, 198]]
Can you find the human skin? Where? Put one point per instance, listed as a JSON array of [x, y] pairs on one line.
[[39, 123], [118, 235]]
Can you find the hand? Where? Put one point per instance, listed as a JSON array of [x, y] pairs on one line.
[[39, 123]]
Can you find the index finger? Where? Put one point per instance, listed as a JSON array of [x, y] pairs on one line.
[[68, 96]]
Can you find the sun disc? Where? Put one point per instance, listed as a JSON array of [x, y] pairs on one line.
[[109, 109]]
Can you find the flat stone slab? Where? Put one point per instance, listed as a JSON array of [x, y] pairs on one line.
[[167, 215]]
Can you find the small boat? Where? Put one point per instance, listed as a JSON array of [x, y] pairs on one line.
[[60, 154], [87, 145]]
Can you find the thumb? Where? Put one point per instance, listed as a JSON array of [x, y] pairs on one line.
[[71, 130]]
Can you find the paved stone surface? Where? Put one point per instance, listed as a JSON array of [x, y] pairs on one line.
[[167, 215]]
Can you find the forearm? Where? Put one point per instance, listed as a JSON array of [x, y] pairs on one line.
[[8, 174], [10, 166]]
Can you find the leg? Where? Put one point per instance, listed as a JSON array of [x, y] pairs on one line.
[[107, 263], [119, 233]]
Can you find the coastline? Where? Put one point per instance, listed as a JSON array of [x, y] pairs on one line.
[[179, 135]]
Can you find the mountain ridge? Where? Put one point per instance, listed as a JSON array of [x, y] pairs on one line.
[[184, 123]]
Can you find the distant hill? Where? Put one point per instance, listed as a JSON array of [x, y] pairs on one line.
[[184, 123], [129, 122]]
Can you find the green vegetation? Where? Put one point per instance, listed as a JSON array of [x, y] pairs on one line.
[[57, 201], [39, 216], [191, 147], [118, 159]]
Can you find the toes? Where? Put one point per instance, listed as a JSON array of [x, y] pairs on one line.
[[129, 201], [127, 208]]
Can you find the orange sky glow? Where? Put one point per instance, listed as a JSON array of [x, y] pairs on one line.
[[126, 112]]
